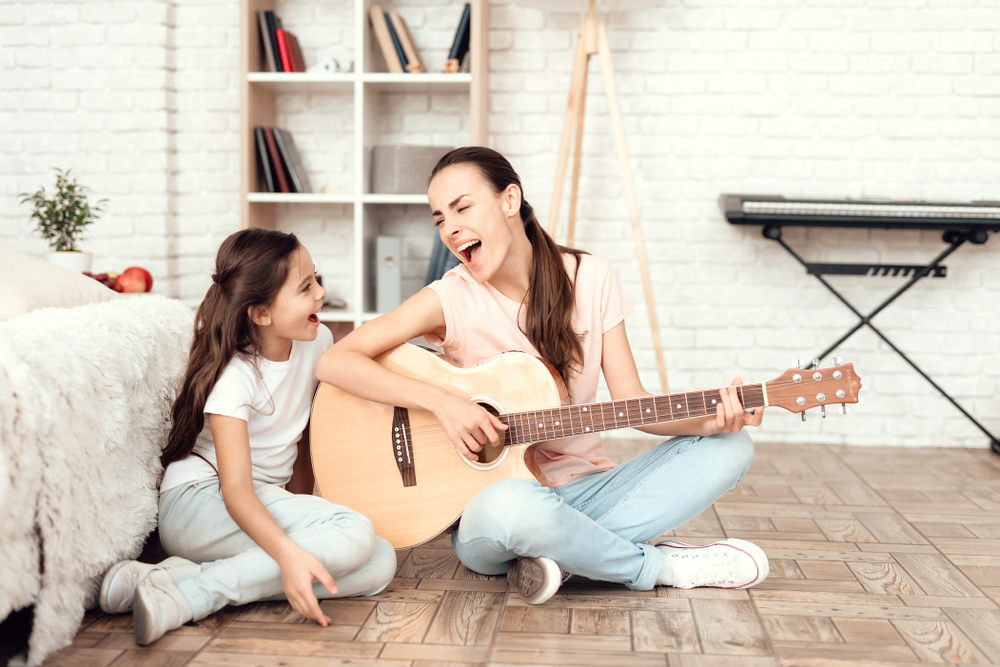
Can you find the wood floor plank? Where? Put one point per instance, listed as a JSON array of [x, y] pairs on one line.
[[126, 642], [785, 568], [938, 529], [794, 525], [601, 602], [852, 652], [538, 619], [868, 631], [980, 626], [601, 621], [691, 660], [886, 578], [504, 656], [939, 641], [937, 576], [890, 528], [465, 618], [826, 569], [347, 611], [664, 631], [950, 602], [210, 659], [801, 629], [564, 642], [982, 575], [814, 585], [397, 622], [856, 493], [312, 631], [82, 657], [429, 563], [293, 647], [483, 585], [849, 610], [729, 627], [434, 652], [844, 530]]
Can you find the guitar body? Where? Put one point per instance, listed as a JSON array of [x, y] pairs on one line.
[[356, 460]]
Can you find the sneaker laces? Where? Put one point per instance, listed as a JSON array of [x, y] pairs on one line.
[[706, 567]]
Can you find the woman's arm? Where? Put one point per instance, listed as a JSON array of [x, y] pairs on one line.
[[622, 376], [298, 566], [350, 365]]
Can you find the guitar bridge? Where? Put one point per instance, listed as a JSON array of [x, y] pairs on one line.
[[402, 446]]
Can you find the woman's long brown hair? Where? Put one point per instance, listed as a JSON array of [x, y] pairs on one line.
[[250, 268], [551, 295]]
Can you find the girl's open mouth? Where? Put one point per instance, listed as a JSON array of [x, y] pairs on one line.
[[314, 319]]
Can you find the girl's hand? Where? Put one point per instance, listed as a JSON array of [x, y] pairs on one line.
[[468, 425], [730, 416], [298, 570]]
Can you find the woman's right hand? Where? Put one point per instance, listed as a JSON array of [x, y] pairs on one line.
[[467, 424], [298, 570]]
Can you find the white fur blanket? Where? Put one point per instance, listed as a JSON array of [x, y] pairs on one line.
[[85, 397]]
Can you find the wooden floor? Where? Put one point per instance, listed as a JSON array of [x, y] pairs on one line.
[[878, 557]]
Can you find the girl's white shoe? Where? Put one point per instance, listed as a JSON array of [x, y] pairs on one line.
[[159, 607], [536, 579], [731, 563], [119, 583]]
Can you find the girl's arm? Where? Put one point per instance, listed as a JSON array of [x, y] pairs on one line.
[[622, 376], [303, 481], [350, 365], [298, 566]]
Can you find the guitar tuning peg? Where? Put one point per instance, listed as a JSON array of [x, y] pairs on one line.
[[796, 363], [815, 363], [822, 409], [803, 416], [838, 361], [844, 409]]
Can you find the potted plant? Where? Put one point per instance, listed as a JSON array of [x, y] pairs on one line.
[[61, 221]]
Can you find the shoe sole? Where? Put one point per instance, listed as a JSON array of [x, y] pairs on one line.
[[106, 587], [549, 571], [749, 548], [141, 617]]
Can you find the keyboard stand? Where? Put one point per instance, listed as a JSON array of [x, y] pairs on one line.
[[934, 269]]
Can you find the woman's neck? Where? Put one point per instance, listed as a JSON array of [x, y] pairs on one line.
[[514, 275]]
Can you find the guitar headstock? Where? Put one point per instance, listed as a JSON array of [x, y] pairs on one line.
[[799, 389]]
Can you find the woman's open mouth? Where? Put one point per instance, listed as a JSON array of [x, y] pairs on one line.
[[470, 250]]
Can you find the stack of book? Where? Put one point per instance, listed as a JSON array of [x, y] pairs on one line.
[[281, 48], [279, 161], [397, 47]]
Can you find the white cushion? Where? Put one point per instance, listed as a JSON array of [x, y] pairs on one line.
[[27, 283]]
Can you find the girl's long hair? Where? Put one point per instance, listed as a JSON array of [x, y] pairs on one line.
[[250, 268], [551, 293]]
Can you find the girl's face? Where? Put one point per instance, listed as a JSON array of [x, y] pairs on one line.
[[475, 224], [293, 313]]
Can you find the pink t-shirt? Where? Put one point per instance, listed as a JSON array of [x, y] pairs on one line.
[[481, 323]]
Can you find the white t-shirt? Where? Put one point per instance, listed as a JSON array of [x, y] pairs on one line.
[[275, 405]]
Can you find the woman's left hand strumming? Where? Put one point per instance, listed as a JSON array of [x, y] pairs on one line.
[[730, 416]]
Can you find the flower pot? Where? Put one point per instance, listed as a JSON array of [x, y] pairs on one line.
[[74, 260]]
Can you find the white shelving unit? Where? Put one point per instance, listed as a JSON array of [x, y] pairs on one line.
[[260, 88]]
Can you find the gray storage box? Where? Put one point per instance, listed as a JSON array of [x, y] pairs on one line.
[[403, 170]]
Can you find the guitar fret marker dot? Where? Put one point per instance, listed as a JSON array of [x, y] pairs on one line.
[[587, 428], [557, 423], [678, 406]]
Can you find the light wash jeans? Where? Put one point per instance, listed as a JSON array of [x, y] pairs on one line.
[[597, 526], [195, 524]]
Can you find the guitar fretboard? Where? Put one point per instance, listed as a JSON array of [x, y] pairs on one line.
[[573, 420]]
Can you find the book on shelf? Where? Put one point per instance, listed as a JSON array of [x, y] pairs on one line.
[[292, 161], [398, 25], [395, 43], [460, 45], [282, 52], [385, 44], [280, 161], [264, 159]]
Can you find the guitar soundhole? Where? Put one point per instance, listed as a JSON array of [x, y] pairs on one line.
[[490, 453]]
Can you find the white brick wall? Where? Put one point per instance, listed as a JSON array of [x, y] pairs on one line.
[[890, 98]]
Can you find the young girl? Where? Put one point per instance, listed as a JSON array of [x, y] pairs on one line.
[[517, 290], [239, 436]]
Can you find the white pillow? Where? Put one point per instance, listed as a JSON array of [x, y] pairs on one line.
[[27, 283]]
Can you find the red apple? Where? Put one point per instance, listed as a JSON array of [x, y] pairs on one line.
[[144, 273], [132, 282]]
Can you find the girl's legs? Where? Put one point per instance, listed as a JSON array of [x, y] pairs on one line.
[[596, 526], [195, 524]]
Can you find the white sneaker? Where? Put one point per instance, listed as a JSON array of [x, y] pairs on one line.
[[159, 607], [536, 579], [118, 586], [728, 563]]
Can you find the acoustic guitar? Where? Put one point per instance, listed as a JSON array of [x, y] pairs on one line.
[[399, 468]]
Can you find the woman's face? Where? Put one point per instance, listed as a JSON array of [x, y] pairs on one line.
[[474, 222]]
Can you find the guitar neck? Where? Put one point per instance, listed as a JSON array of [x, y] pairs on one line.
[[572, 420]]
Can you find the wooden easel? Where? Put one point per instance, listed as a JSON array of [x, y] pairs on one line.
[[593, 40]]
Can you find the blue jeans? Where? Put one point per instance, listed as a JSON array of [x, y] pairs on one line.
[[195, 524], [597, 526]]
